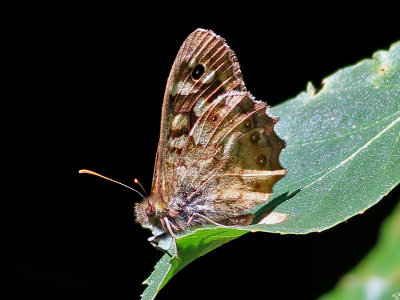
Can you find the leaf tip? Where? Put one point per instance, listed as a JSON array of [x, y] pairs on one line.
[[310, 89]]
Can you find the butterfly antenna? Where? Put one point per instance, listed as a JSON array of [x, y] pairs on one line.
[[141, 186], [84, 171]]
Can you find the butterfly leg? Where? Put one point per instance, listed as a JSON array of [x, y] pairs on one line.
[[190, 219], [171, 233], [154, 242]]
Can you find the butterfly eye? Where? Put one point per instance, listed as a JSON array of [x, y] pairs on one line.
[[197, 72], [149, 210], [214, 118]]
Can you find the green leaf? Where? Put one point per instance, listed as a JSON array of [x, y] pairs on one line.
[[191, 246], [378, 274], [342, 157]]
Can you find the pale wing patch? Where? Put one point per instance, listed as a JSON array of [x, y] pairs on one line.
[[274, 218], [192, 63], [199, 107], [180, 122], [185, 88], [209, 78], [177, 142]]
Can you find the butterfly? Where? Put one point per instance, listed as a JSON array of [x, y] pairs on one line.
[[218, 153]]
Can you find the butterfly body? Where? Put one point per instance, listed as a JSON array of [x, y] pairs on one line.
[[218, 153]]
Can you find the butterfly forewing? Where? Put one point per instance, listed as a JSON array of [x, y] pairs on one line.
[[186, 97]]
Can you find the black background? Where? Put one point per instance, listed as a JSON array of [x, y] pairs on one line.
[[86, 86]]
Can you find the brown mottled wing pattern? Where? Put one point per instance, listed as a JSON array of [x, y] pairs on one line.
[[182, 92], [218, 154]]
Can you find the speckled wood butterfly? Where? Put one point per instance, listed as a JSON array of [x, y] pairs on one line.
[[218, 154]]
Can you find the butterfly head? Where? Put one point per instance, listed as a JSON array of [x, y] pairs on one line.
[[148, 212]]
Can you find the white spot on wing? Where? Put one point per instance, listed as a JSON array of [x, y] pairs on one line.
[[183, 88], [192, 63], [209, 78], [199, 107], [274, 218]]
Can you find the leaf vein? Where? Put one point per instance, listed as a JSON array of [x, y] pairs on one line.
[[355, 153], [340, 136]]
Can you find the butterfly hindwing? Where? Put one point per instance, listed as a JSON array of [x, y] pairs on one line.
[[231, 161]]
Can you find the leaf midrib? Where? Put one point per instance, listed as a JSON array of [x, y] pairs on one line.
[[359, 150], [347, 159], [317, 204]]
